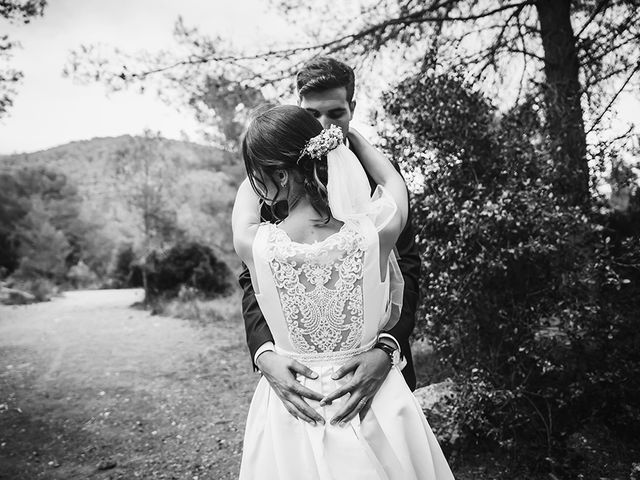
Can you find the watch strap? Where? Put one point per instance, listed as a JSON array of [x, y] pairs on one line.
[[390, 351]]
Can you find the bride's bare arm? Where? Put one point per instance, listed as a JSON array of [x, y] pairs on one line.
[[245, 220], [383, 173]]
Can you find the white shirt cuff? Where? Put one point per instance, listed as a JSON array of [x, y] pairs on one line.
[[265, 347], [403, 361]]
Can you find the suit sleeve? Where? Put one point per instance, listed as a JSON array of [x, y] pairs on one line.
[[256, 328], [409, 263]]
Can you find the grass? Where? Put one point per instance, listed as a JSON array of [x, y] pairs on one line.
[[201, 310]]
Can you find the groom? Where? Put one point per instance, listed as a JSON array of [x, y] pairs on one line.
[[325, 88]]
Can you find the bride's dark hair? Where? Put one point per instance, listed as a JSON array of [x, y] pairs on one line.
[[273, 141]]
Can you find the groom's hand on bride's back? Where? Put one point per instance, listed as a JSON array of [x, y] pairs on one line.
[[369, 370], [280, 372]]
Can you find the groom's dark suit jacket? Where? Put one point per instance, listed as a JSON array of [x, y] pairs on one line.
[[258, 331]]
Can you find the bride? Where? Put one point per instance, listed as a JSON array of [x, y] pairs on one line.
[[327, 281]]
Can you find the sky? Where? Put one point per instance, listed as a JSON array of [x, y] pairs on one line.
[[50, 110]]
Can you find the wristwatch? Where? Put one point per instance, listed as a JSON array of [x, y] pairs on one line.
[[393, 353]]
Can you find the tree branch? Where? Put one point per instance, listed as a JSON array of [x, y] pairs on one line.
[[499, 45], [596, 58], [607, 76], [615, 97], [340, 43], [525, 52], [601, 5]]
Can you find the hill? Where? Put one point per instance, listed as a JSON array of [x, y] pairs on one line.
[[195, 184]]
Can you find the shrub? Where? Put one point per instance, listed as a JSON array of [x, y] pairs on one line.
[[125, 271], [186, 266], [526, 299], [81, 276]]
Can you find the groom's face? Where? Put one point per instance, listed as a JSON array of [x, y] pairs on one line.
[[330, 107]]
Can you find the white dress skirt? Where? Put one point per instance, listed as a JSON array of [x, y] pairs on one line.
[[324, 303]]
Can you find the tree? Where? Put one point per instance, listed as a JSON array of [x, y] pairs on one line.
[[43, 248], [13, 207], [14, 11], [43, 232], [530, 303], [536, 41], [226, 105], [143, 177], [217, 97]]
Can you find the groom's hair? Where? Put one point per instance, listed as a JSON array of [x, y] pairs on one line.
[[324, 73]]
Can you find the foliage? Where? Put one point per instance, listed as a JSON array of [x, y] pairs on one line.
[[186, 266], [530, 302], [227, 105], [199, 186], [577, 52], [13, 207], [144, 179], [94, 191], [123, 272], [43, 247], [13, 11], [81, 276], [44, 229]]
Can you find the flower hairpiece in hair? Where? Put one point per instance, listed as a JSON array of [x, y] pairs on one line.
[[318, 146]]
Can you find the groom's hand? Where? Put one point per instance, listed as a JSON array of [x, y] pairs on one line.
[[370, 370], [280, 372]]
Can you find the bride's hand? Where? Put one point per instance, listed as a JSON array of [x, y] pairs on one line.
[[280, 372], [370, 370]]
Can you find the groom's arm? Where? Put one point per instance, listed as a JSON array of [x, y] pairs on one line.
[[256, 328]]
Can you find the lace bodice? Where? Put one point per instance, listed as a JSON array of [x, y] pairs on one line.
[[320, 288], [322, 298], [328, 300]]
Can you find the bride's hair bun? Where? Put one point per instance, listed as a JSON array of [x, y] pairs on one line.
[[277, 139]]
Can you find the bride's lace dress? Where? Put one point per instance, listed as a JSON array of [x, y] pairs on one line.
[[325, 302]]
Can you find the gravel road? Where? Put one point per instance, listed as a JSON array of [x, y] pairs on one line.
[[93, 388]]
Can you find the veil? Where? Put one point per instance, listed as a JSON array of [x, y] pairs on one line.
[[349, 195]]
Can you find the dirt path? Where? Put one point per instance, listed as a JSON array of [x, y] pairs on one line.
[[87, 381]]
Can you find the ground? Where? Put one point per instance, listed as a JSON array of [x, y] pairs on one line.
[[88, 383], [91, 388]]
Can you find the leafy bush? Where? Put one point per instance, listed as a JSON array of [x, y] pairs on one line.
[[125, 271], [81, 276], [528, 301], [188, 266]]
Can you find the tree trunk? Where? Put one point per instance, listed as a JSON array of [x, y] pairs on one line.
[[562, 95]]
